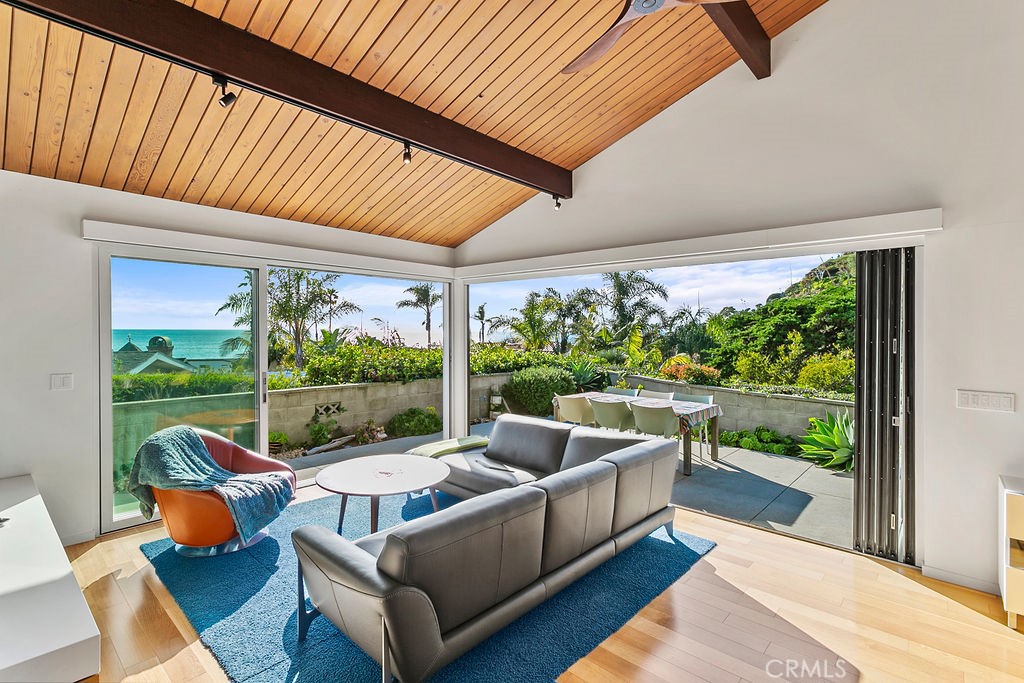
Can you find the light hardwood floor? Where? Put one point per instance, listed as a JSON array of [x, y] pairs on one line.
[[759, 607]]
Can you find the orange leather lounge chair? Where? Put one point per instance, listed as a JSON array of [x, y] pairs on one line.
[[199, 522]]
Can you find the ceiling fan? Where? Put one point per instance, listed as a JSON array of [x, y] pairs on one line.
[[633, 10]]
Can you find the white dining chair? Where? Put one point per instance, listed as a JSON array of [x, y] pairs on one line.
[[647, 393]]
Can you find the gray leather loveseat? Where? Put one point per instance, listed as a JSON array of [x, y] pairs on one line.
[[417, 596]]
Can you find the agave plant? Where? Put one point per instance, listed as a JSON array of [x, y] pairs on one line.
[[586, 375], [829, 442]]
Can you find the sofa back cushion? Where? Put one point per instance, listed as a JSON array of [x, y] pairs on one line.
[[472, 555], [579, 512], [587, 444], [529, 442], [643, 483]]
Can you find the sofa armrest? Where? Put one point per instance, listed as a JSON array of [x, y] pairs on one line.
[[346, 587], [342, 561]]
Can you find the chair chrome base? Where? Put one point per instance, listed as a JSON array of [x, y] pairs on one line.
[[225, 548]]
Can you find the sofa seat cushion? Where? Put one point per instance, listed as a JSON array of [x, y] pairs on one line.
[[530, 443], [471, 556], [587, 444], [478, 472]]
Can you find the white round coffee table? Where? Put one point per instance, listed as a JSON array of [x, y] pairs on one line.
[[381, 475]]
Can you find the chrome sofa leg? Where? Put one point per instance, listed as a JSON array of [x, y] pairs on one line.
[[304, 617]]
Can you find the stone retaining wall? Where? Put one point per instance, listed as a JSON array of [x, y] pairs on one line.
[[746, 410], [291, 409]]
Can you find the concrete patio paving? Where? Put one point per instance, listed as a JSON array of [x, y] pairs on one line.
[[774, 491]]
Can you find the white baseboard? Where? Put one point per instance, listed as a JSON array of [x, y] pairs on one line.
[[78, 537], [961, 580]]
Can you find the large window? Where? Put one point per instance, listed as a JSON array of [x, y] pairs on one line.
[[178, 356], [308, 366]]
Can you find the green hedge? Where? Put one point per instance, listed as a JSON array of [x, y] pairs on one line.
[[534, 388], [149, 387]]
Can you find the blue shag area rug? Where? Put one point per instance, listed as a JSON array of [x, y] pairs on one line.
[[243, 604]]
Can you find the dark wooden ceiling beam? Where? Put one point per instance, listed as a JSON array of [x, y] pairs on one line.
[[176, 32], [737, 21]]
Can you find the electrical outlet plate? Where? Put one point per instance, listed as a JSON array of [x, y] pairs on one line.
[[1000, 402]]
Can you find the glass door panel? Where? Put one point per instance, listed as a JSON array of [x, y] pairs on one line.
[[183, 350]]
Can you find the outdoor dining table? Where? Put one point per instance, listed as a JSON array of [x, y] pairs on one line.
[[691, 415]]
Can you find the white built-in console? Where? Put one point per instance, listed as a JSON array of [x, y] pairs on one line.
[[1011, 546], [47, 632]]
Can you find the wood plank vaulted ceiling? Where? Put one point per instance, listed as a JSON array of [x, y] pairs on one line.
[[81, 109]]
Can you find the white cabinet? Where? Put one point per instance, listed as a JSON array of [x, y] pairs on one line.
[[1011, 546], [47, 632]]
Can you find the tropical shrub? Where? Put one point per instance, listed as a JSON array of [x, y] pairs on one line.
[[414, 422], [829, 442], [278, 381], [829, 371], [760, 439], [369, 432], [692, 373], [277, 437], [534, 388]]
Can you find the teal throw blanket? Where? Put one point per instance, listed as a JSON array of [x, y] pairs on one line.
[[176, 458]]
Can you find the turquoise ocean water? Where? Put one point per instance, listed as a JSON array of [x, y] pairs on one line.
[[187, 343]]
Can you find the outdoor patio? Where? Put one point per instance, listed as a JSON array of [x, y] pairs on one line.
[[773, 491]]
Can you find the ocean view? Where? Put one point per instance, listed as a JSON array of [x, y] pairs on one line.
[[187, 343]]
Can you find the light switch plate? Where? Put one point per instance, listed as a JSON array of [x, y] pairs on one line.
[[64, 381], [997, 401]]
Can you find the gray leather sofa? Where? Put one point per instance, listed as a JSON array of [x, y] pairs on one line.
[[417, 596], [525, 449]]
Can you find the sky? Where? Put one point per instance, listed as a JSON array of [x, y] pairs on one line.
[[160, 295]]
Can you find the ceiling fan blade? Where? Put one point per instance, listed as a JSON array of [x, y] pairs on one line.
[[599, 48], [631, 11]]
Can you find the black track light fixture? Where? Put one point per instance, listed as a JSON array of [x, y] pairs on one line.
[[558, 201], [226, 98], [406, 153]]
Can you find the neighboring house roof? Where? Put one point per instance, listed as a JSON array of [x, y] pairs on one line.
[[136, 362]]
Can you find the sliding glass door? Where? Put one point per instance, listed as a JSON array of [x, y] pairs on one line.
[[181, 346]]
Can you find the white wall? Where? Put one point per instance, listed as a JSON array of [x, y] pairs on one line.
[[874, 107], [48, 276]]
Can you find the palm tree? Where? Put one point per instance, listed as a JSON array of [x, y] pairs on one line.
[[629, 296], [481, 317], [533, 326], [567, 311], [240, 303], [424, 296]]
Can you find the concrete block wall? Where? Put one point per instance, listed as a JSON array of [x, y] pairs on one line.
[[291, 409], [746, 410]]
